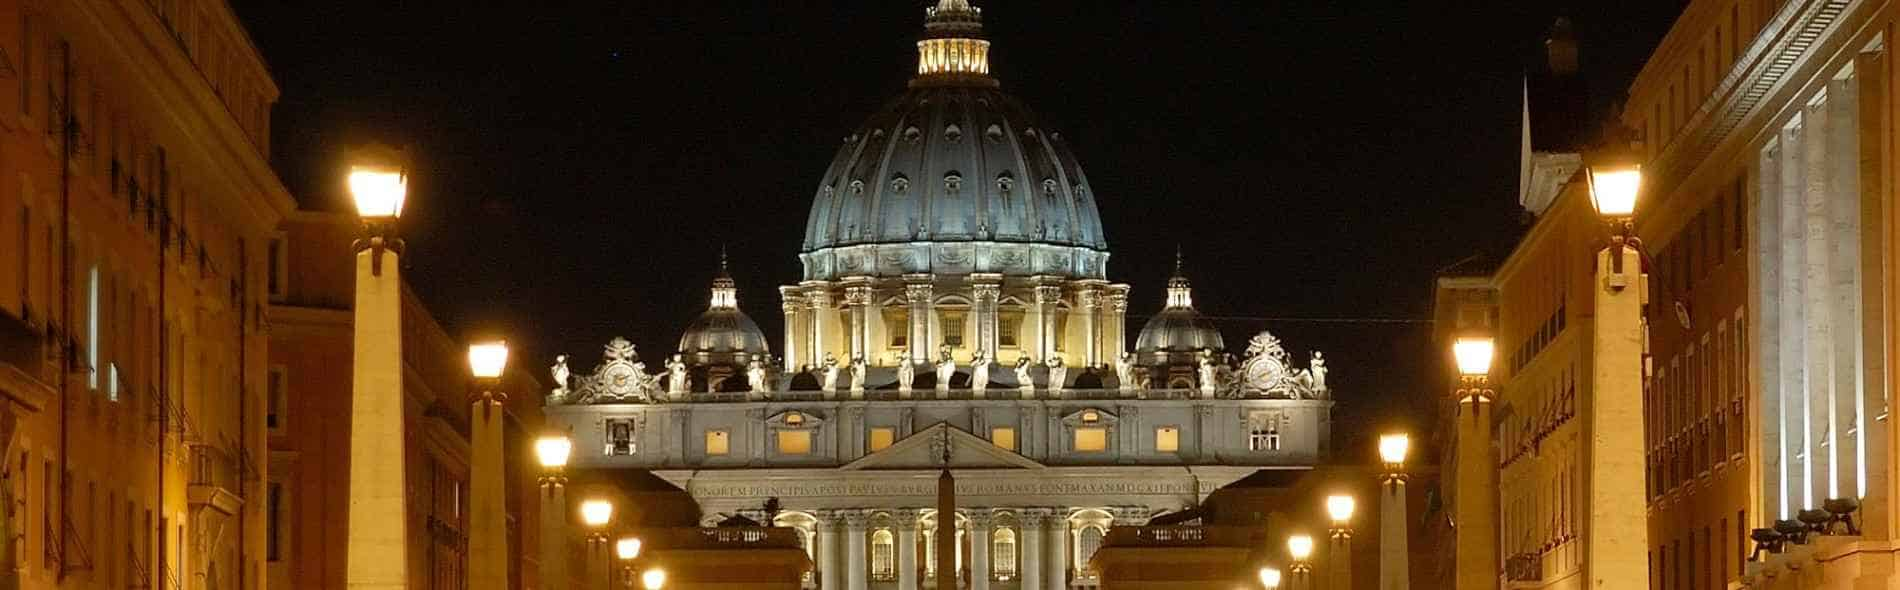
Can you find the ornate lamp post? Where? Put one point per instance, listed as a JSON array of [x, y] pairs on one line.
[[1300, 549], [627, 549], [1270, 578], [1394, 568], [1339, 557], [376, 556], [1616, 554], [1477, 495], [552, 452], [653, 579], [597, 514], [487, 486]]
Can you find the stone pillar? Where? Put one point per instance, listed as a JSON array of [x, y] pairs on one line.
[[1394, 554], [487, 491], [793, 304], [823, 314], [980, 521], [1057, 574], [917, 294], [855, 573], [599, 572], [1090, 298], [1616, 556], [1476, 507], [376, 552], [987, 289], [857, 297], [1339, 559], [906, 548], [1117, 322], [1030, 546], [554, 530], [1047, 296], [830, 577]]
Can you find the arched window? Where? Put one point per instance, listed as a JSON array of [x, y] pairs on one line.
[[1089, 539], [883, 555], [1003, 554]]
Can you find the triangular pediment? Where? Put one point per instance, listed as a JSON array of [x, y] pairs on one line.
[[924, 449]]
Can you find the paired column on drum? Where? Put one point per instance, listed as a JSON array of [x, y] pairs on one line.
[[793, 304], [1048, 297], [917, 294], [823, 323], [1090, 298], [987, 290], [858, 299], [1115, 341]]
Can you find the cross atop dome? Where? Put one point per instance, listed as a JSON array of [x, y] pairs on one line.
[[953, 51], [1179, 294], [725, 293]]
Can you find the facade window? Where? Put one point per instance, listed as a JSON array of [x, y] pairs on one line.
[[274, 520], [26, 265], [1003, 554], [1088, 540], [1167, 439], [620, 436], [897, 326], [1009, 328], [883, 556], [718, 442], [279, 399], [1263, 432], [278, 281], [881, 438], [952, 324], [1003, 437], [794, 442], [1091, 440], [92, 328]]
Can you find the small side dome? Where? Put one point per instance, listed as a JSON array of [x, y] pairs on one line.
[[1178, 334], [723, 335]]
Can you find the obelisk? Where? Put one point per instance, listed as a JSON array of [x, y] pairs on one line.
[[946, 521]]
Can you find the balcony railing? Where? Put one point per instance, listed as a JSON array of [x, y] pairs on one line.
[[212, 466], [921, 394], [720, 538], [1178, 536], [1524, 567]]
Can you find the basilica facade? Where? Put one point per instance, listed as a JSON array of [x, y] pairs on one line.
[[954, 313]]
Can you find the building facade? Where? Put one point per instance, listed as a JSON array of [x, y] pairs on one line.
[[137, 205], [308, 413], [954, 313]]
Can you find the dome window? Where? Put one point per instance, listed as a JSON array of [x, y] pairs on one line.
[[1049, 186], [953, 133], [877, 133], [1004, 182], [994, 133], [952, 181], [912, 134], [857, 187], [825, 192], [900, 184]]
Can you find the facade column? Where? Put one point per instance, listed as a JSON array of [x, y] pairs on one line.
[[906, 548], [822, 320], [830, 577], [487, 490], [1090, 299], [1047, 296], [855, 573], [917, 295], [1117, 320], [987, 289], [857, 297], [1030, 547], [1057, 573], [793, 304], [1616, 556], [375, 554], [980, 521]]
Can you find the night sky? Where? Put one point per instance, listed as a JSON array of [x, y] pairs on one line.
[[579, 165]]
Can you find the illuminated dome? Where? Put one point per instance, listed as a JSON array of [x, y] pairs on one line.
[[1178, 332], [954, 177], [723, 334]]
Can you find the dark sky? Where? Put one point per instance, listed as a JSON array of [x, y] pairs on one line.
[[580, 164]]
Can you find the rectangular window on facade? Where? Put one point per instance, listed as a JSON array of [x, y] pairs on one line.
[[1003, 438], [277, 402], [794, 442], [1091, 440], [274, 523], [26, 265], [952, 324], [897, 326], [1167, 439], [278, 281], [92, 328], [619, 436], [1009, 328], [718, 442], [880, 439]]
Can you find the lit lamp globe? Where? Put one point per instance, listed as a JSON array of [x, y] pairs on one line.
[[627, 548], [1392, 449], [1270, 578], [1299, 547], [1340, 507], [487, 360], [597, 513], [1615, 183], [653, 579], [552, 451], [378, 184], [1473, 355]]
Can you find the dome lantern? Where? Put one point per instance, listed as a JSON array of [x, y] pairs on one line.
[[953, 51], [1180, 295]]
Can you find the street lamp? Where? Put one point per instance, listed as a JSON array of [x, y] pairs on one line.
[[377, 490], [1475, 504], [1339, 556], [596, 514], [1394, 555], [653, 579], [1300, 549], [627, 549], [552, 452], [1270, 578], [488, 483], [1618, 343]]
